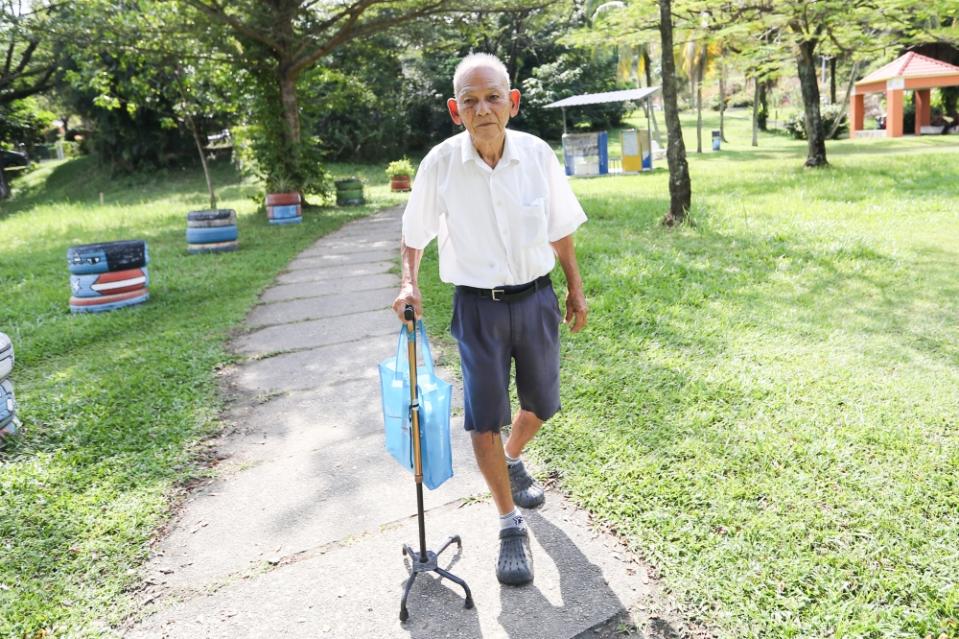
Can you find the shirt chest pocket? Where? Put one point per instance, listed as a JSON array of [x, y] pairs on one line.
[[533, 223]]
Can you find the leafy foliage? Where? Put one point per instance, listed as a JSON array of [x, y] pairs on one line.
[[24, 122], [574, 72], [402, 166], [795, 125]]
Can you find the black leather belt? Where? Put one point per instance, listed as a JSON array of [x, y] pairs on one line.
[[507, 293]]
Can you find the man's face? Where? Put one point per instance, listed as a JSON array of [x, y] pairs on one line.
[[484, 105]]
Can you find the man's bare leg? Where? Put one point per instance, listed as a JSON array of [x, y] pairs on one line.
[[488, 449], [514, 563], [525, 427]]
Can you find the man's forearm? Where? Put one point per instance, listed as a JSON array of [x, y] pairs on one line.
[[566, 253], [410, 260]]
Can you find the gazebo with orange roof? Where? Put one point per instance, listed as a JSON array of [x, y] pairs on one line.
[[910, 72]]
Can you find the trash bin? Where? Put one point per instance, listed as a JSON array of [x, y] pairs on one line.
[[717, 140]]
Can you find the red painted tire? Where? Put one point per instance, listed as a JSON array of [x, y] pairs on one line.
[[279, 199], [107, 302], [110, 283]]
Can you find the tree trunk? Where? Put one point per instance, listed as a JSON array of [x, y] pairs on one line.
[[680, 190], [699, 115], [291, 109], [199, 149], [757, 84], [762, 96], [722, 101], [832, 80], [815, 133], [649, 102], [4, 187]]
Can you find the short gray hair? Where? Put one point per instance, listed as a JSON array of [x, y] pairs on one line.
[[474, 61]]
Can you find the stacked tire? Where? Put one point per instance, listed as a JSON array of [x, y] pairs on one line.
[[349, 192], [9, 424], [108, 276], [211, 231], [284, 208]]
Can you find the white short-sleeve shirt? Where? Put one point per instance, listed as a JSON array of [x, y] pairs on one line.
[[493, 226]]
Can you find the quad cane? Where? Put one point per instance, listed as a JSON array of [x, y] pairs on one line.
[[424, 560]]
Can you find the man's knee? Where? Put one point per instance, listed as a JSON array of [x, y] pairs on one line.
[[529, 417], [485, 439]]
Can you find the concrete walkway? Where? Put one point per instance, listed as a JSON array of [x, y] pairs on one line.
[[299, 534]]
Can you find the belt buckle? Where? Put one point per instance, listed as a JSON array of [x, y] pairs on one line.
[[493, 293]]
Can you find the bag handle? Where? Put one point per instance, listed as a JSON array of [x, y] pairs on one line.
[[402, 360]]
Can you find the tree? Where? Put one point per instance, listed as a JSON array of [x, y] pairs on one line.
[[695, 59], [680, 189], [140, 72], [279, 40], [28, 66], [831, 27]]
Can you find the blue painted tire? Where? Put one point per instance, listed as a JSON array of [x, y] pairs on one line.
[[107, 302], [8, 429], [286, 220], [6, 356], [211, 234], [107, 256], [211, 218], [8, 401], [100, 284]]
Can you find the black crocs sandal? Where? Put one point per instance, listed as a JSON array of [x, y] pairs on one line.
[[526, 492], [514, 566]]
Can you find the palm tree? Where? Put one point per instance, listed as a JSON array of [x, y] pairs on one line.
[[695, 58]]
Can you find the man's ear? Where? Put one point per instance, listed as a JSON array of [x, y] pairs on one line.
[[454, 111], [513, 102]]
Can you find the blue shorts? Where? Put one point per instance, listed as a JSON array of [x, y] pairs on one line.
[[491, 335]]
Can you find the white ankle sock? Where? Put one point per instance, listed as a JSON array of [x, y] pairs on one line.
[[511, 461], [514, 519]]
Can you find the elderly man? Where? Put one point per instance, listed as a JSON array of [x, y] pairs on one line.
[[502, 210]]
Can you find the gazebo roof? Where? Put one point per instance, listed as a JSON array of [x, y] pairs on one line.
[[910, 65], [601, 98]]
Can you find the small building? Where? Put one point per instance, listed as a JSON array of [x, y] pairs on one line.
[[910, 72], [587, 153]]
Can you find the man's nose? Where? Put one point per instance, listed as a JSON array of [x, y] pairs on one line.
[[482, 107]]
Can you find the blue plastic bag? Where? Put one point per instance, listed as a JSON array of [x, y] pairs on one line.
[[434, 410]]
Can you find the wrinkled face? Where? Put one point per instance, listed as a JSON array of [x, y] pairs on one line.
[[484, 105]]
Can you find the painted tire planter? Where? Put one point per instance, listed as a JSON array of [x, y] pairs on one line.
[[6, 356], [210, 218], [212, 247], [349, 192], [400, 183], [8, 402], [211, 234], [108, 302], [100, 284], [9, 424], [8, 429], [284, 208], [108, 256]]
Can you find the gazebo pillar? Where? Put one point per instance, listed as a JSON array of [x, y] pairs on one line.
[[893, 113], [857, 114], [923, 108]]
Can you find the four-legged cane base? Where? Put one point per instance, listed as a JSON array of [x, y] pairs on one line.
[[430, 565]]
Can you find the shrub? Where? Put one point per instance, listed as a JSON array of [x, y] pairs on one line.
[[795, 125], [400, 167]]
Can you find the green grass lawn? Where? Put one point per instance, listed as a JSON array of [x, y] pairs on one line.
[[764, 405], [114, 405]]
